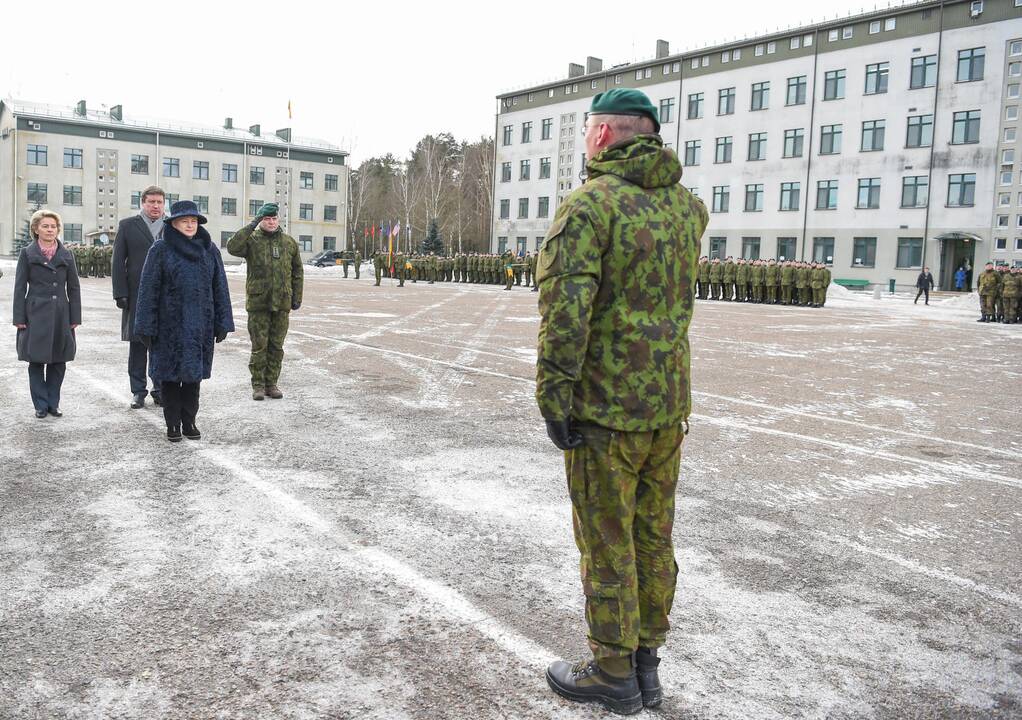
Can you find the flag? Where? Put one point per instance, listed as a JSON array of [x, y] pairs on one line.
[[396, 230], [366, 231], [288, 109], [372, 232]]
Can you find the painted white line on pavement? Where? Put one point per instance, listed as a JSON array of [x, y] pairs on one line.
[[451, 602]]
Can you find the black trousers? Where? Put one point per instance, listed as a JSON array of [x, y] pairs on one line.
[[138, 357], [921, 291], [180, 403], [44, 381]]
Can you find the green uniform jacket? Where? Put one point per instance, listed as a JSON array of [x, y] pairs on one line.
[[787, 274], [729, 272], [616, 279], [802, 277], [756, 274], [274, 277], [742, 274], [816, 278], [716, 272], [704, 272], [771, 275], [989, 282]]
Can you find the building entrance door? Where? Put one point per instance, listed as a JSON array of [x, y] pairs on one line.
[[958, 250]]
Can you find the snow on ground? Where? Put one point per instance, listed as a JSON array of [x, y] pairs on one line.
[[393, 538]]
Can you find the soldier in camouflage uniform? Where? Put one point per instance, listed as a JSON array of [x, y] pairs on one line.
[[716, 278], [802, 283], [989, 286], [703, 277], [616, 275], [787, 278], [273, 289], [816, 278], [532, 269], [741, 280], [1009, 295], [758, 280], [358, 264], [729, 278], [771, 278], [378, 266], [400, 271]]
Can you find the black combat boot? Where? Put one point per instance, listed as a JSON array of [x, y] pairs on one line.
[[614, 686], [174, 434], [646, 663], [191, 432]]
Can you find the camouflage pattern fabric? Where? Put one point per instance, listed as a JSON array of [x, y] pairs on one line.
[[274, 274], [616, 278], [622, 488], [267, 331]]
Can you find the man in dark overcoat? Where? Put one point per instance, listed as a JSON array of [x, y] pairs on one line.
[[135, 235]]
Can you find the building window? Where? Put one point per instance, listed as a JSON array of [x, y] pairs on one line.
[[726, 101], [876, 78], [73, 158], [823, 250], [257, 175], [794, 140], [1002, 221], [869, 194], [200, 170], [305, 181], [760, 96], [874, 27], [794, 43], [873, 135], [173, 198], [229, 173], [965, 127], [524, 169], [72, 232], [970, 64], [723, 153], [924, 72], [796, 91], [826, 195], [253, 207], [718, 248], [544, 168], [1004, 199], [305, 211], [228, 206], [526, 132], [666, 110], [920, 131], [961, 190], [915, 191], [790, 195], [750, 248], [693, 152], [760, 49], [501, 245], [330, 183], [201, 202], [543, 206], [72, 194], [546, 128], [754, 198], [505, 172], [1007, 156], [832, 36], [846, 33], [910, 252], [508, 130], [305, 243], [830, 139], [695, 106], [786, 248], [721, 198], [329, 213], [37, 155], [834, 85], [136, 200], [37, 193], [523, 208], [171, 167], [890, 24], [505, 209], [757, 146], [1009, 135], [864, 252], [1011, 113], [140, 164], [329, 242]]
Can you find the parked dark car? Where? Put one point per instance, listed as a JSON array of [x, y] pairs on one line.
[[327, 257]]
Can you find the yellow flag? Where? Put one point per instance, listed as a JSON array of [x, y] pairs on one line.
[[288, 109]]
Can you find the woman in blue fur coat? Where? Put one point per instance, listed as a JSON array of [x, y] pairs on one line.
[[184, 305]]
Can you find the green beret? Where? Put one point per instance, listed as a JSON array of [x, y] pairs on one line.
[[625, 101], [268, 210]]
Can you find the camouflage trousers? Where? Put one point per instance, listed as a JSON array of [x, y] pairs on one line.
[[818, 298], [379, 271], [622, 488], [267, 331], [771, 293], [986, 304], [786, 294]]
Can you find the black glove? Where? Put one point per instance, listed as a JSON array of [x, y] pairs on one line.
[[221, 336], [146, 340], [295, 305], [121, 302], [563, 435]]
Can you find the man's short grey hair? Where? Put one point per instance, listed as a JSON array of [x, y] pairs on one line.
[[625, 126]]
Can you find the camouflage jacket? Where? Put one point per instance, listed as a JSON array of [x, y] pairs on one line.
[[989, 282], [771, 275], [716, 272], [742, 274], [729, 272], [616, 277], [787, 274], [274, 274]]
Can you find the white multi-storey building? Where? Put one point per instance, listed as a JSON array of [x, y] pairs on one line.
[[92, 166], [877, 144]]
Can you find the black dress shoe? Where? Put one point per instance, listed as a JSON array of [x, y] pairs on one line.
[[40, 414], [174, 434], [137, 401], [55, 412]]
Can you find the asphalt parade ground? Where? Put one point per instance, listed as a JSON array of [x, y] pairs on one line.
[[393, 539]]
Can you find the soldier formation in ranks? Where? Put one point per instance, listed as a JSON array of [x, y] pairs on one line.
[[92, 260], [506, 269], [790, 282], [1000, 292]]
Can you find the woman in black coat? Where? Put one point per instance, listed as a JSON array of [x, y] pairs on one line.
[[183, 307], [47, 309]]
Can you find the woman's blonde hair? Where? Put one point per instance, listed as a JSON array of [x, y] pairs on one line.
[[38, 216]]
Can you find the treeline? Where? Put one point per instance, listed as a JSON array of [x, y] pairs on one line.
[[443, 180]]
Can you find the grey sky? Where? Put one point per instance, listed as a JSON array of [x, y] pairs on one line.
[[372, 77]]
